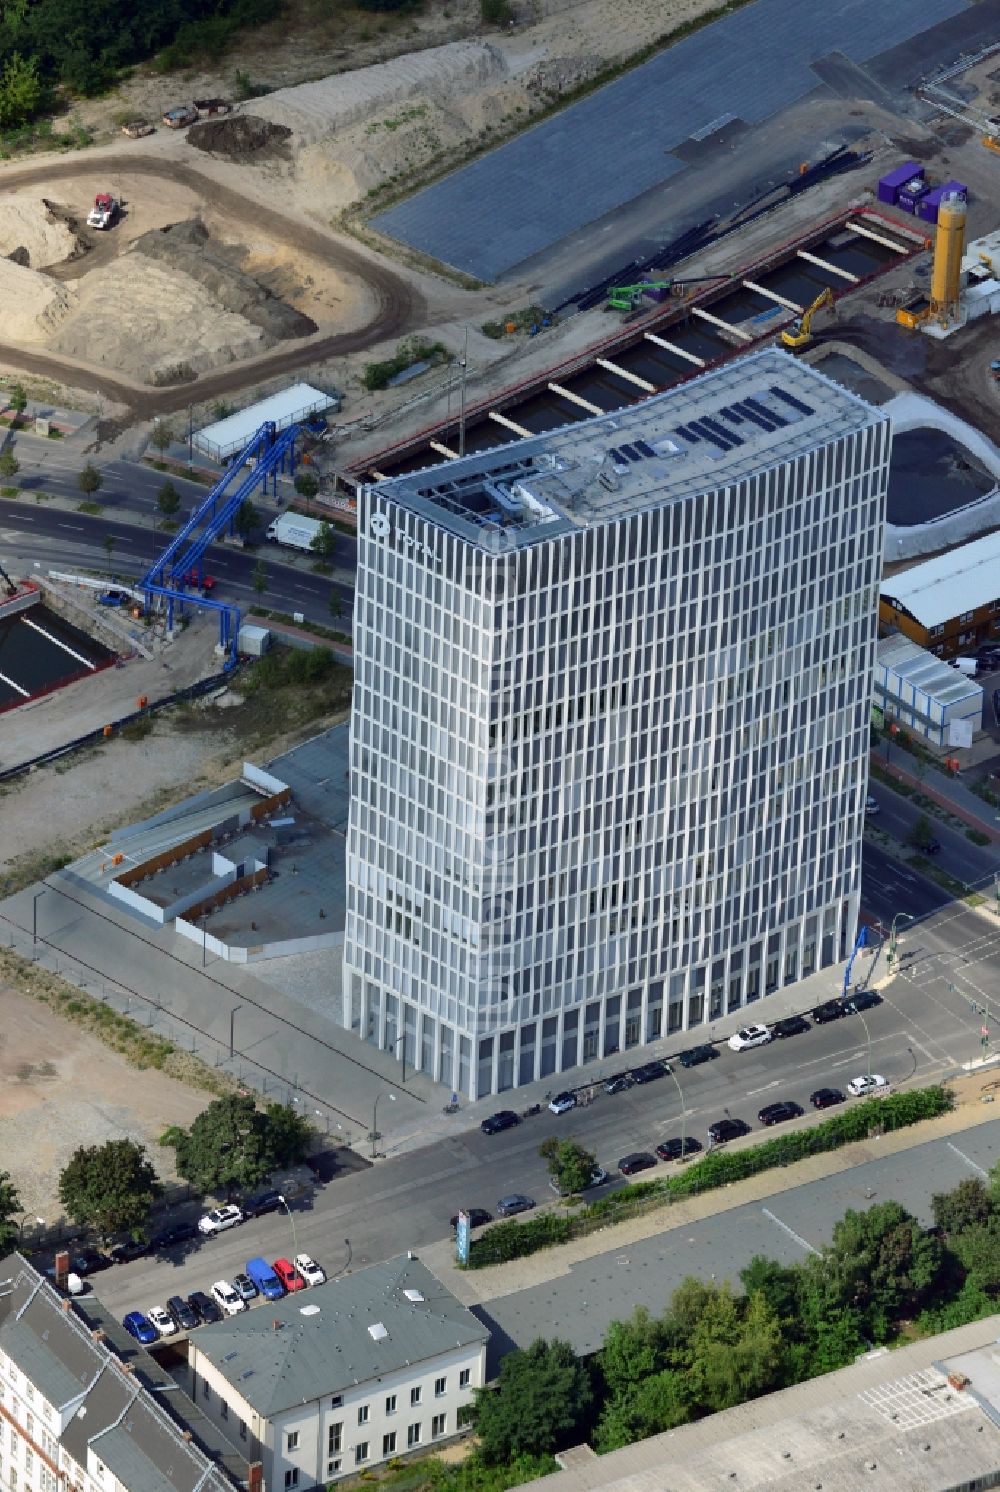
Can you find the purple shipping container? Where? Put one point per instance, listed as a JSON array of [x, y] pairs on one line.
[[888, 186], [927, 208]]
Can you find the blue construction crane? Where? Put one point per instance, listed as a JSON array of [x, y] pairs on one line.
[[167, 578], [860, 942]]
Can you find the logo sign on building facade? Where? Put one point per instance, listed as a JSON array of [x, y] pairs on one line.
[[462, 1238]]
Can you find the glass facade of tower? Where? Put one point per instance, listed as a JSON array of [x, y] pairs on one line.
[[610, 728]]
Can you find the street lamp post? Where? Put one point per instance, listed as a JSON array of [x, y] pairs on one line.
[[295, 1241], [232, 1019], [868, 1069], [684, 1115], [34, 917], [891, 955], [374, 1133]]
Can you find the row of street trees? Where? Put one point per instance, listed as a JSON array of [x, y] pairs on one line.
[[711, 1348]]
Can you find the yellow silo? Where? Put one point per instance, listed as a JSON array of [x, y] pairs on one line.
[[948, 250]]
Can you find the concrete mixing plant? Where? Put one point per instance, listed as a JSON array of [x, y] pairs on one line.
[[946, 279]]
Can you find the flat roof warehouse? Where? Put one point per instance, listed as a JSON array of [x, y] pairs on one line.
[[710, 433]]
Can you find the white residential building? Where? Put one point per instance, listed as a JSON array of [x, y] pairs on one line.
[[333, 1380], [73, 1413], [610, 724]]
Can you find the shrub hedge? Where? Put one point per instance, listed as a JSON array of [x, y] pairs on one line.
[[515, 1240]]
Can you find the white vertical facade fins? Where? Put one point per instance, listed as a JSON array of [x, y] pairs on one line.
[[607, 785]]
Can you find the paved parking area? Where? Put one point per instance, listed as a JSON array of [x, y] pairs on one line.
[[619, 142]]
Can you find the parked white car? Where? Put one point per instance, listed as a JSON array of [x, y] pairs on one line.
[[228, 1301], [864, 1087], [162, 1320], [220, 1219], [309, 1270], [742, 1041]]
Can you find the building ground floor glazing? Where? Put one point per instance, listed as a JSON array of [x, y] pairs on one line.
[[478, 1064]]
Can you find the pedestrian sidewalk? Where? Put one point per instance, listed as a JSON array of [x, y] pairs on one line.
[[974, 1106], [949, 792]]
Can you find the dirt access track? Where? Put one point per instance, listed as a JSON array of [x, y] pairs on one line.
[[397, 306]]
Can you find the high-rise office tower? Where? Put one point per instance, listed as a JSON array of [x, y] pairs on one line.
[[610, 730]]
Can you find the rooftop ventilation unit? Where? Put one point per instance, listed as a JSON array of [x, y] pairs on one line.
[[377, 1332], [413, 1294]]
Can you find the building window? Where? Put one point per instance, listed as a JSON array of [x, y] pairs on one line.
[[337, 1402], [243, 1430], [465, 1378], [332, 1466], [360, 1452], [223, 1409], [390, 1403], [362, 1414], [389, 1443], [292, 1477], [204, 1388], [413, 1434], [938, 630], [438, 1425], [292, 1440], [440, 1384], [415, 1395], [334, 1438], [465, 1414], [965, 616]]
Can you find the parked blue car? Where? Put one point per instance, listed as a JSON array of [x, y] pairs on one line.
[[136, 1324]]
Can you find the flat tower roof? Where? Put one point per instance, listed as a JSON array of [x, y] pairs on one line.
[[729, 423]]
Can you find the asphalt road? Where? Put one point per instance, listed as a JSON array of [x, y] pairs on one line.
[[924, 1028], [54, 539]]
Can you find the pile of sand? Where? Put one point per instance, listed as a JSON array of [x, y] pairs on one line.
[[33, 305], [28, 224], [315, 111], [153, 323]]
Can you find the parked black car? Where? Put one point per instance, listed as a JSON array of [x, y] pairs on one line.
[[503, 1119], [864, 999], [204, 1307], [618, 1084], [830, 1010], [260, 1204], [182, 1313], [176, 1233], [89, 1261], [727, 1129], [648, 1072], [477, 1217], [791, 1025], [825, 1098], [671, 1149], [777, 1113], [694, 1056], [132, 1248], [639, 1160]]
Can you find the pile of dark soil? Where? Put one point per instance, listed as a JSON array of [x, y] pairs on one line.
[[241, 137], [188, 247]]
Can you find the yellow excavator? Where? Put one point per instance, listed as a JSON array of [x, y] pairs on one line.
[[799, 334]]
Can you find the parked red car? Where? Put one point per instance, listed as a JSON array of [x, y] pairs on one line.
[[289, 1275]]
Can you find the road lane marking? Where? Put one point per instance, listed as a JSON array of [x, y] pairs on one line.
[[796, 1237], [76, 527], [962, 1156], [766, 1089]]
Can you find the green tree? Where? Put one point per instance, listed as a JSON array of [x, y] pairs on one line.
[[884, 1264], [922, 831], [978, 1248], [968, 1205], [306, 484], [324, 542], [247, 518], [647, 1407], [10, 1210], [89, 480], [17, 399], [632, 1351], [20, 91], [109, 542], [168, 499], [287, 1135], [161, 437], [336, 602], [829, 1326], [538, 1405], [259, 577], [110, 1187], [570, 1166], [735, 1350], [226, 1147], [9, 464], [778, 1283]]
